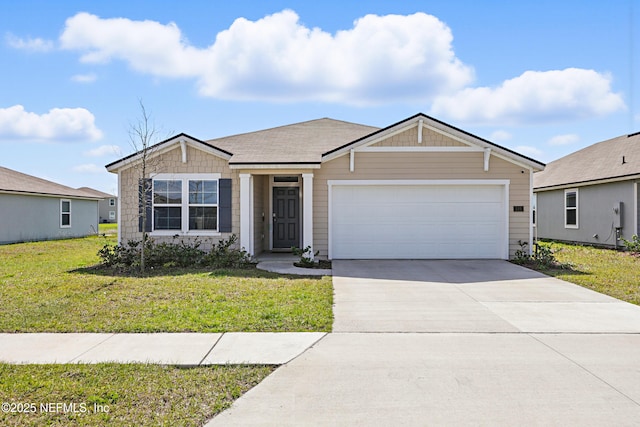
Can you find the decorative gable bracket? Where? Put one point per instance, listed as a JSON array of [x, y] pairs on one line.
[[487, 155]]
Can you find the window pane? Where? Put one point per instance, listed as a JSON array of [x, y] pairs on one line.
[[203, 192], [571, 217], [201, 218], [571, 200], [167, 192], [167, 218], [66, 207], [66, 219]]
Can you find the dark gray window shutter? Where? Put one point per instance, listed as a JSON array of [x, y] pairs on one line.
[[144, 202], [224, 205]]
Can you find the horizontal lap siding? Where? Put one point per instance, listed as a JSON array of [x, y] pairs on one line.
[[171, 162], [427, 166]]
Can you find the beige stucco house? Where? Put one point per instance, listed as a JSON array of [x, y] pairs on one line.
[[419, 188]]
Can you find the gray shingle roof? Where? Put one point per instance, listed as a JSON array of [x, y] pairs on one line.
[[600, 161], [297, 143], [18, 182], [96, 193]]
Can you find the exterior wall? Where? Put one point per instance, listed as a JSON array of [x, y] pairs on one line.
[[595, 214], [259, 213], [637, 189], [31, 218], [171, 162], [409, 138], [104, 208], [424, 165]]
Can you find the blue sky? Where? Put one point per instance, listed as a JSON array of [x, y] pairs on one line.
[[545, 78]]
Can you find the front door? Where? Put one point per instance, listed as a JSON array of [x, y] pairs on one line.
[[286, 217]]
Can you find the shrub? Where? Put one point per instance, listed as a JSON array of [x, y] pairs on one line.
[[222, 255], [306, 260], [632, 245], [174, 255], [543, 256]]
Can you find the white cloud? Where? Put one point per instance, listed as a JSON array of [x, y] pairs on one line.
[[84, 78], [534, 96], [528, 150], [104, 150], [29, 44], [57, 125], [567, 139], [500, 135], [88, 168], [276, 58]]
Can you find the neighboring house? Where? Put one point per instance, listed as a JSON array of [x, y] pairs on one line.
[[419, 188], [107, 207], [591, 196], [36, 209]]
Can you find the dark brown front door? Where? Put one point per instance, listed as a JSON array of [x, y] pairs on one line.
[[286, 217]]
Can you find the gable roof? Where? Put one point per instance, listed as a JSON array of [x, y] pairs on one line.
[[314, 141], [165, 145], [613, 159], [20, 183], [298, 143], [97, 193], [440, 127]]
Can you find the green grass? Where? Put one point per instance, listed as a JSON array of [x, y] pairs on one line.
[[107, 228], [50, 287], [604, 270], [125, 395]]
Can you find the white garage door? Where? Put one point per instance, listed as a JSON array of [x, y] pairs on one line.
[[418, 221]]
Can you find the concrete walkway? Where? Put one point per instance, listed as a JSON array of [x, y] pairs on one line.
[[182, 349], [457, 343]]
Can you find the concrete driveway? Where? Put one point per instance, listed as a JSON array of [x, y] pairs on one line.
[[457, 343]]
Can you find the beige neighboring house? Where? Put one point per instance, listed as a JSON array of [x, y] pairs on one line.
[[107, 207], [419, 188], [591, 196], [33, 209]]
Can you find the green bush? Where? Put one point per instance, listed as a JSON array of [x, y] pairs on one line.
[[174, 255], [543, 256], [306, 260], [632, 245]]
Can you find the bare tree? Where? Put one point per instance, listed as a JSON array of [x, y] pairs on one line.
[[143, 135]]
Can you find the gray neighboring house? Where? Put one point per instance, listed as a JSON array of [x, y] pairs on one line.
[[590, 196], [107, 206], [33, 209]]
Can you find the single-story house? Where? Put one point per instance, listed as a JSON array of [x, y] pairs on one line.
[[419, 188], [591, 196], [33, 209], [107, 206]]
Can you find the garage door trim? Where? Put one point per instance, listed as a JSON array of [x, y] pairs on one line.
[[459, 182]]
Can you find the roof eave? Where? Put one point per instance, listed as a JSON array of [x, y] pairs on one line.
[[56, 195], [164, 146], [413, 121], [585, 183]]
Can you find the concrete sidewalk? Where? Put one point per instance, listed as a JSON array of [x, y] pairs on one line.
[[182, 349]]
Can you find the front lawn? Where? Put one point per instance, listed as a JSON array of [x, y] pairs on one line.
[[604, 270], [120, 395], [49, 287]]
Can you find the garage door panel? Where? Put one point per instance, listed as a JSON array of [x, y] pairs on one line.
[[423, 221]]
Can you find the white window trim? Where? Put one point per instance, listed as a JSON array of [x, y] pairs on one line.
[[112, 214], [577, 208], [185, 178], [112, 202], [65, 213]]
